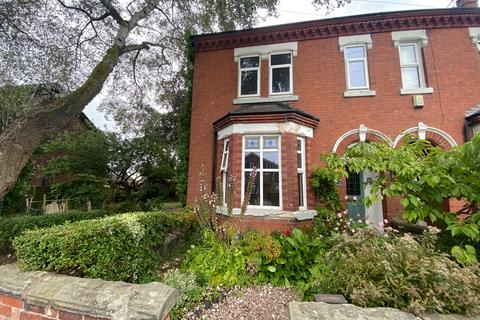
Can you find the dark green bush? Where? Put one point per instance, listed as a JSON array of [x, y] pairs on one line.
[[12, 227], [124, 247]]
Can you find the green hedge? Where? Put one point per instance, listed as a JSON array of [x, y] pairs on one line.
[[123, 247], [12, 227]]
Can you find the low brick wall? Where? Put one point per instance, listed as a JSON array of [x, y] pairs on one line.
[[268, 224], [47, 296]]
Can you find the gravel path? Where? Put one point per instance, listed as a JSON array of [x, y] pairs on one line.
[[259, 303]]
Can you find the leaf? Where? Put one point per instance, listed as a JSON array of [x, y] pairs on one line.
[[271, 268]]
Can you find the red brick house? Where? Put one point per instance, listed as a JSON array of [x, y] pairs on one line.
[[275, 98]]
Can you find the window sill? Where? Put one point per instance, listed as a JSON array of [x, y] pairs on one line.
[[266, 99], [359, 93], [416, 91]]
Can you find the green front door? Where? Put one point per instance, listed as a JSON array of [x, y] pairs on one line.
[[355, 194]]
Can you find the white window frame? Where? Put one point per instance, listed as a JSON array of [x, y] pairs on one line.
[[303, 171], [240, 69], [224, 168], [365, 63], [270, 69], [418, 64], [476, 129], [261, 170]]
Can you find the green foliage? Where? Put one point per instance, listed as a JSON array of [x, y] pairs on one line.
[[122, 247], [12, 227], [14, 201], [324, 184], [235, 262], [398, 271], [191, 293], [83, 160], [216, 263], [295, 263], [424, 176], [183, 122]]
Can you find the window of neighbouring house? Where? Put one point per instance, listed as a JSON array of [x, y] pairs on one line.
[[356, 67], [263, 153], [301, 171], [476, 129], [249, 76], [411, 66], [281, 73], [224, 169]]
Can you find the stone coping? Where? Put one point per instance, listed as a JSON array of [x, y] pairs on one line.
[[299, 215], [324, 311], [93, 297]]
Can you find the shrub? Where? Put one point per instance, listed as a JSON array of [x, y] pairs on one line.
[[217, 263], [12, 227], [235, 262], [328, 222], [191, 293], [293, 265], [123, 247], [400, 272]]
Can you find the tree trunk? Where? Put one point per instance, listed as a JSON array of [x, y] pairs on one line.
[[20, 140]]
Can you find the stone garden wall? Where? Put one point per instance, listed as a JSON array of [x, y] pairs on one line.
[[47, 296]]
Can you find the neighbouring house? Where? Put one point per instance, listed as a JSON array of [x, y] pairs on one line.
[[275, 98], [40, 182]]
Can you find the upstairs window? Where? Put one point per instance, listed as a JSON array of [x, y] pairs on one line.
[[249, 80], [475, 36], [281, 73], [356, 67], [411, 65]]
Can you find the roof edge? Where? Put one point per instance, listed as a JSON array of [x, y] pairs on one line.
[[340, 26]]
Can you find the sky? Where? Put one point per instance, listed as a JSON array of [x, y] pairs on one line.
[[302, 10]]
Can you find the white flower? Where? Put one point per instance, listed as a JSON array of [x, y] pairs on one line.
[[346, 197], [354, 198]]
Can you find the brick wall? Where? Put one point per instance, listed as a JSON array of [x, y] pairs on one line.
[[47, 296], [14, 308], [452, 68]]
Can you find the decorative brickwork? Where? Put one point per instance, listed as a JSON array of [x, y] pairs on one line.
[[344, 26]]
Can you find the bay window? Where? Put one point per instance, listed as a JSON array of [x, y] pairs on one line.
[[224, 169], [262, 152], [280, 74], [249, 76], [301, 172]]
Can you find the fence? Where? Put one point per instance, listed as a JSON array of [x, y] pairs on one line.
[[51, 206]]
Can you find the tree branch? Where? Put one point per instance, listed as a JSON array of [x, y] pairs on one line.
[[85, 12], [142, 46], [113, 12]]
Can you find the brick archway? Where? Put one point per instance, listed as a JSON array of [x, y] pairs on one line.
[[362, 134], [437, 136]]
